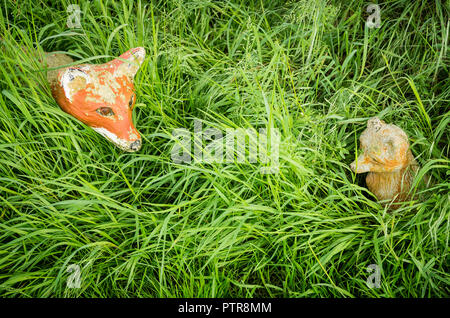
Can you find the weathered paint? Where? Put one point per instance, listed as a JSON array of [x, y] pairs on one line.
[[101, 96], [388, 159]]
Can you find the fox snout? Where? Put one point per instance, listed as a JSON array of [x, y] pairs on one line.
[[130, 144], [102, 96], [135, 145], [361, 165]]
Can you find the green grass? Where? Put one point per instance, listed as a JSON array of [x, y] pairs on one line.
[[139, 225]]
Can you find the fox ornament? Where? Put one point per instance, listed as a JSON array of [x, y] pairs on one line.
[[99, 95], [387, 159]]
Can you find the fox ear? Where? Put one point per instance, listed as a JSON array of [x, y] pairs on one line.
[[129, 62], [375, 123], [72, 80]]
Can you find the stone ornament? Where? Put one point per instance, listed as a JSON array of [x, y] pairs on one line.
[[388, 160], [99, 95]]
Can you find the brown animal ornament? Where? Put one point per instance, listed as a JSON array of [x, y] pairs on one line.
[[387, 159]]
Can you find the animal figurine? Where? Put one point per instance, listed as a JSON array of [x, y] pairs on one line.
[[99, 95], [387, 159]]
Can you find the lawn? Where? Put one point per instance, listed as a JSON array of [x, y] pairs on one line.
[[81, 218]]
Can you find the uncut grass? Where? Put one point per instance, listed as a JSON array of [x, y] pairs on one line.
[[140, 225]]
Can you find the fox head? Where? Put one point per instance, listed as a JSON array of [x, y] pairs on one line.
[[102, 96], [385, 148]]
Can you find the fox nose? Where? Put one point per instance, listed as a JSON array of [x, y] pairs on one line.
[[135, 145]]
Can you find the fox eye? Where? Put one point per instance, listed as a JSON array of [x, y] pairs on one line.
[[105, 111], [131, 102]]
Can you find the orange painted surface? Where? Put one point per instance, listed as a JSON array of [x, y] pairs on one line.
[[102, 96]]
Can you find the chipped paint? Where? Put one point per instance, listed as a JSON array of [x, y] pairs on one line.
[[72, 81]]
